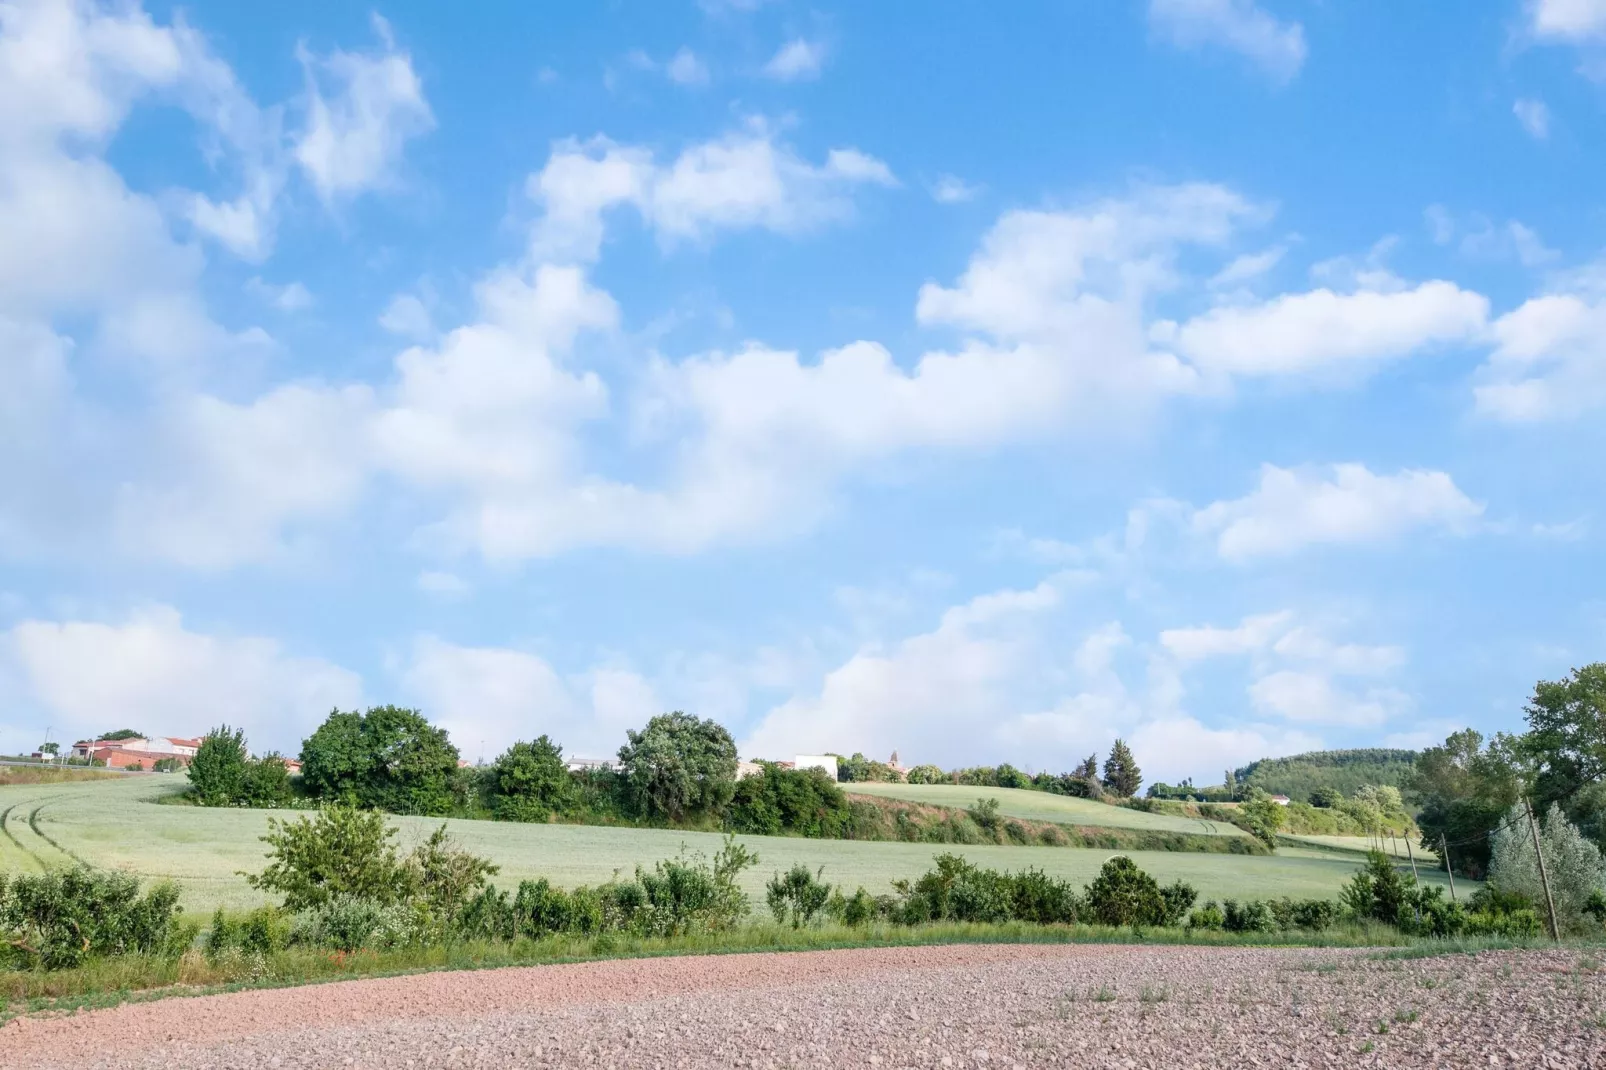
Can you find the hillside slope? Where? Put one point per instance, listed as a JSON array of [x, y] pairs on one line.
[[1345, 770]]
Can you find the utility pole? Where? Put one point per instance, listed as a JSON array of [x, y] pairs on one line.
[[1444, 852], [1415, 878], [1544, 878]]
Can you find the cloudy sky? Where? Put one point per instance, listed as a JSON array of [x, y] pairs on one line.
[[981, 382]]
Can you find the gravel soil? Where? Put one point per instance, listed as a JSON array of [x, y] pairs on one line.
[[958, 1006]]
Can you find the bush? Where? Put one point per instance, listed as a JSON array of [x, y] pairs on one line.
[[686, 894], [800, 895], [264, 930], [805, 802], [986, 816], [343, 853], [1315, 915], [62, 918], [926, 774], [1123, 894], [1378, 890], [1252, 916], [855, 910], [1179, 895], [351, 923], [266, 783], [1208, 916]]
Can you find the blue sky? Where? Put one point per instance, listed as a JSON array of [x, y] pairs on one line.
[[1226, 375]]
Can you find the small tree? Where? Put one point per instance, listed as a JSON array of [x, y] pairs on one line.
[[218, 770], [927, 774], [1121, 774], [122, 733], [50, 749], [1262, 816], [799, 894], [343, 852], [1326, 798], [1123, 894], [1573, 864], [678, 765], [267, 781], [530, 781]]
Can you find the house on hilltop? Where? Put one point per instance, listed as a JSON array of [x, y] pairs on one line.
[[137, 752]]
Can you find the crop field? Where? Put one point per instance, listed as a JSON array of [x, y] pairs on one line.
[[1394, 845], [1041, 806], [121, 825]]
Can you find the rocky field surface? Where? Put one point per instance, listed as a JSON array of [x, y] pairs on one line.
[[967, 1006]]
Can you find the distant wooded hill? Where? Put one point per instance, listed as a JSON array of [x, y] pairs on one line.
[[1345, 770]]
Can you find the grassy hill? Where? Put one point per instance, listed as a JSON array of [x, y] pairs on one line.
[[1299, 775], [120, 824], [1042, 806]]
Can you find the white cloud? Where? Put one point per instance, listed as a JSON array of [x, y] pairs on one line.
[[354, 138], [745, 179], [1549, 361], [1253, 635], [442, 584], [1568, 20], [1534, 117], [1247, 268], [686, 69], [1345, 503], [488, 697], [797, 60], [1483, 239], [153, 674], [1277, 48], [408, 316], [951, 189], [1306, 332], [290, 297], [234, 483], [1311, 697]]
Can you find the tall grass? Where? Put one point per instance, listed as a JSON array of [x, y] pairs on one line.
[[44, 774]]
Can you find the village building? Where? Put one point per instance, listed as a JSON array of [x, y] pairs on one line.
[[137, 753]]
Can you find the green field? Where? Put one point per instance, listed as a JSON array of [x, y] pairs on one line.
[[1390, 845], [1041, 806], [120, 825]]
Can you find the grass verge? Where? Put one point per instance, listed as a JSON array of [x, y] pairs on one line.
[[111, 982]]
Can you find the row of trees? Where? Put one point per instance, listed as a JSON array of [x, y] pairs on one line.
[[1467, 787], [1121, 776]]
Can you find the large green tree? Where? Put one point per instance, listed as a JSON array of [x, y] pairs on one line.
[[529, 781], [1121, 773], [389, 758], [1463, 788], [679, 765], [1565, 746]]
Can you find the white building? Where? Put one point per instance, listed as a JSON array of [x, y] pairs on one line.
[[817, 761]]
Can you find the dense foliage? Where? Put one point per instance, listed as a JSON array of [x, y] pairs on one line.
[[806, 802], [388, 758], [223, 773], [61, 918], [1121, 774], [1344, 771], [530, 782], [1572, 863], [678, 766]]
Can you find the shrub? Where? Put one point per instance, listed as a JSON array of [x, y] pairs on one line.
[[855, 910], [926, 774], [350, 923], [266, 783], [1573, 864], [1315, 914], [986, 816], [1036, 897], [344, 852], [1253, 916], [1208, 916], [1123, 894], [1378, 890], [806, 802], [800, 895], [265, 930], [442, 877], [61, 918], [1261, 817], [1326, 798], [1179, 895], [686, 894]]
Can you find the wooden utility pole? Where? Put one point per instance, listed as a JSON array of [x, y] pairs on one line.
[[1544, 878], [1444, 852], [1417, 880]]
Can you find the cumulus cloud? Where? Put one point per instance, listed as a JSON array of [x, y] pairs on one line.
[[1305, 332], [748, 178], [288, 297], [488, 697], [684, 68], [796, 61], [1241, 26], [1568, 20], [951, 189], [1344, 503], [156, 675], [1549, 360], [355, 133]]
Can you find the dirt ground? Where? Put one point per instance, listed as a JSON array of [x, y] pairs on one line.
[[967, 1006]]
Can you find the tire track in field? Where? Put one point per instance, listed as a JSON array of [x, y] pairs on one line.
[[5, 818], [33, 823]]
